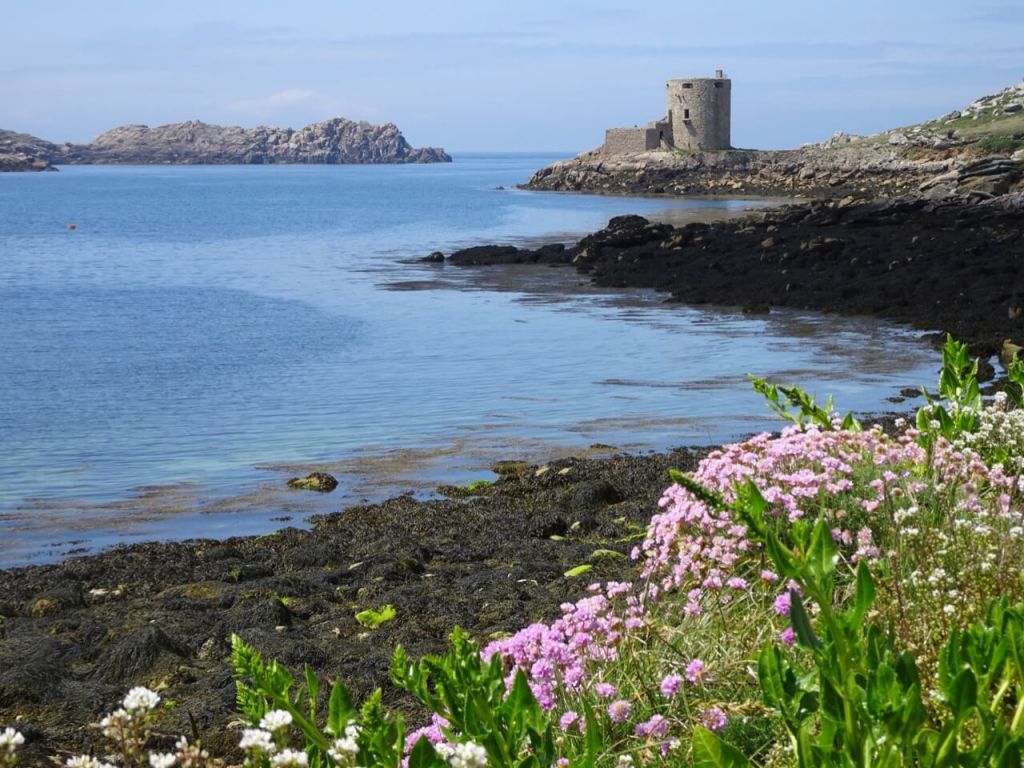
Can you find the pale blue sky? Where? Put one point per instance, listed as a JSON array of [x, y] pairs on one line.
[[514, 75]]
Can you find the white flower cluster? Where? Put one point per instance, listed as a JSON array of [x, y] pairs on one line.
[[85, 761], [345, 751], [289, 758], [162, 760], [1000, 432], [257, 739], [140, 700], [10, 740], [468, 755], [115, 724], [276, 719]]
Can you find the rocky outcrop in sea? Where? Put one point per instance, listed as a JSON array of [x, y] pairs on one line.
[[332, 142], [21, 152]]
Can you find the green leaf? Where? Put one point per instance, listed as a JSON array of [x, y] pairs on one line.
[[423, 755], [864, 596], [822, 554], [313, 689], [340, 710], [962, 695], [802, 623], [579, 570], [373, 619], [709, 751]]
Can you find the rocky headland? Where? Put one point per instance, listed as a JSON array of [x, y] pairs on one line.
[[937, 158], [332, 142]]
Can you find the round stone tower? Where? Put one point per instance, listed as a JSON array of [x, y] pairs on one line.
[[700, 111]]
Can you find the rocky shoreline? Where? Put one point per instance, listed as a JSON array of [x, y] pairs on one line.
[[951, 267], [75, 636], [976, 153]]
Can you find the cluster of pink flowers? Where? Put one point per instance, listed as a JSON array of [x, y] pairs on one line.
[[559, 654], [704, 554]]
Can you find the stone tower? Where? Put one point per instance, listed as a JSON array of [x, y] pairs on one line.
[[700, 112]]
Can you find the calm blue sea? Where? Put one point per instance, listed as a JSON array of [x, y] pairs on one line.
[[205, 333]]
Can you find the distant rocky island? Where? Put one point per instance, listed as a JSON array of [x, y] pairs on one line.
[[332, 142]]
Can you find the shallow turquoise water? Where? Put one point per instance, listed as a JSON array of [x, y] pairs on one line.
[[206, 332]]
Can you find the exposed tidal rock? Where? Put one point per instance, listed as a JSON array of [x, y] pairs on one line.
[[953, 265], [314, 481], [810, 171]]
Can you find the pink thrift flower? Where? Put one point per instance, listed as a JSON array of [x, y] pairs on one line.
[[619, 711], [656, 727], [695, 671], [605, 690], [670, 685], [568, 720], [782, 604], [715, 720], [788, 636]]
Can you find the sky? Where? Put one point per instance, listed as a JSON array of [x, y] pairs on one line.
[[486, 75]]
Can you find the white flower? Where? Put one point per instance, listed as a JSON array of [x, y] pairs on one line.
[[345, 751], [140, 700], [624, 761], [275, 719], [468, 755], [84, 761], [10, 739], [444, 750], [254, 738], [162, 760], [290, 758], [114, 723]]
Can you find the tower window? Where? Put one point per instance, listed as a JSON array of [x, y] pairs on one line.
[[686, 114], [718, 85], [687, 85]]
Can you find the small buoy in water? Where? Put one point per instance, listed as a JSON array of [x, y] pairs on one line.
[[72, 226]]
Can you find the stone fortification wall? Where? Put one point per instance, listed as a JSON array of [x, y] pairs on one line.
[[620, 141], [700, 112]]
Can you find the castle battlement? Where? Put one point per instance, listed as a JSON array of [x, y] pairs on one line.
[[698, 117]]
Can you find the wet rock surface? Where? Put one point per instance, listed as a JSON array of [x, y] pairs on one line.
[[948, 266], [314, 481], [162, 614]]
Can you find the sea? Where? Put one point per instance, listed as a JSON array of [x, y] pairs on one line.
[[176, 342]]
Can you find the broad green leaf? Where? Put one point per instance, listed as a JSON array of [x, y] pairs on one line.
[[423, 755], [864, 596], [802, 622], [709, 751], [822, 554], [340, 710]]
